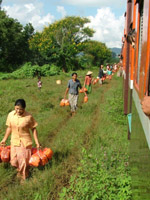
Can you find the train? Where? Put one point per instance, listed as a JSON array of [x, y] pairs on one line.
[[135, 60]]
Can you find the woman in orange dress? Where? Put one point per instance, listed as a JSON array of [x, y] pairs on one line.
[[19, 123]]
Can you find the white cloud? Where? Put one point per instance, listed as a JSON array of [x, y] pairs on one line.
[[109, 28], [29, 12], [61, 10], [98, 3]]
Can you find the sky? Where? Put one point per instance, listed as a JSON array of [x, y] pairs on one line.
[[106, 16]]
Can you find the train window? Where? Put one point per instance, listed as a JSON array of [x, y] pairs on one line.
[[140, 42]]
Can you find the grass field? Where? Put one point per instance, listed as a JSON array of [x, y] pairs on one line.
[[90, 149]]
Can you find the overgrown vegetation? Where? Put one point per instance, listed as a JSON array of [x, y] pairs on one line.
[[103, 172], [90, 149], [29, 71]]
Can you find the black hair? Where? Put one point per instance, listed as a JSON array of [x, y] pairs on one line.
[[20, 102], [74, 73]]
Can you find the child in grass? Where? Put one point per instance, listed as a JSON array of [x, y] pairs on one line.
[[39, 83]]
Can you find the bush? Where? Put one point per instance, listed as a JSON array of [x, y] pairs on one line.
[[29, 71]]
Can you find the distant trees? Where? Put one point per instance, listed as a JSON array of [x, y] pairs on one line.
[[14, 47], [98, 52], [65, 43], [61, 41]]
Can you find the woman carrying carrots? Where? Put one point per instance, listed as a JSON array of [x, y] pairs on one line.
[[88, 81], [19, 123]]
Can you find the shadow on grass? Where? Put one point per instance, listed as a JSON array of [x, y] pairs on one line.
[[60, 156]]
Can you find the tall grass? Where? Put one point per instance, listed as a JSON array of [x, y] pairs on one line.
[[92, 138]]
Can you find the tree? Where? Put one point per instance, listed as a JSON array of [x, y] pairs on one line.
[[14, 47], [61, 41], [0, 4], [98, 50]]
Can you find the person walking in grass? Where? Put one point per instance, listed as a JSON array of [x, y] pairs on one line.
[[19, 123], [109, 73], [101, 75], [88, 82], [73, 86]]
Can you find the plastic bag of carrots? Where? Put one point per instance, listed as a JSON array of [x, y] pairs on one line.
[[64, 102], [5, 154], [40, 157]]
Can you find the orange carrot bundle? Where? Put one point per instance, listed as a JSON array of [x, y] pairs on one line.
[[33, 150], [48, 152], [5, 154], [34, 160], [43, 158], [67, 102], [95, 81], [85, 99], [62, 103]]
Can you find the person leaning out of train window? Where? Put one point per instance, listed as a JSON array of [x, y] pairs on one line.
[[88, 82], [19, 123]]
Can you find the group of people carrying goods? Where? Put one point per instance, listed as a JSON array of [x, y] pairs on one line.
[[20, 122], [74, 84]]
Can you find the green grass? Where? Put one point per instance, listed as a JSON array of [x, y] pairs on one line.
[[90, 149]]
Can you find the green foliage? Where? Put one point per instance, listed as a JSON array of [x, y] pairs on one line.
[[14, 47], [98, 51], [61, 41], [29, 71]]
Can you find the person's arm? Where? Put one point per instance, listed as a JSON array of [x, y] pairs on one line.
[[35, 136], [83, 90], [7, 133], [84, 82], [66, 92]]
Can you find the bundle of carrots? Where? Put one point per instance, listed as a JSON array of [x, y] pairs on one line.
[[82, 90], [5, 154], [64, 102], [40, 157]]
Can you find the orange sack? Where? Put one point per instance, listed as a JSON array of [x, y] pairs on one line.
[[85, 90], [5, 154], [85, 99], [81, 90], [95, 81], [1, 148], [43, 158], [33, 150], [48, 152], [67, 102], [62, 103], [34, 160]]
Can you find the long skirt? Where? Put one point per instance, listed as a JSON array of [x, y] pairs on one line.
[[73, 100], [20, 157], [89, 88]]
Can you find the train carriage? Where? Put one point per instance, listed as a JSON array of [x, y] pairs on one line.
[[135, 58]]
